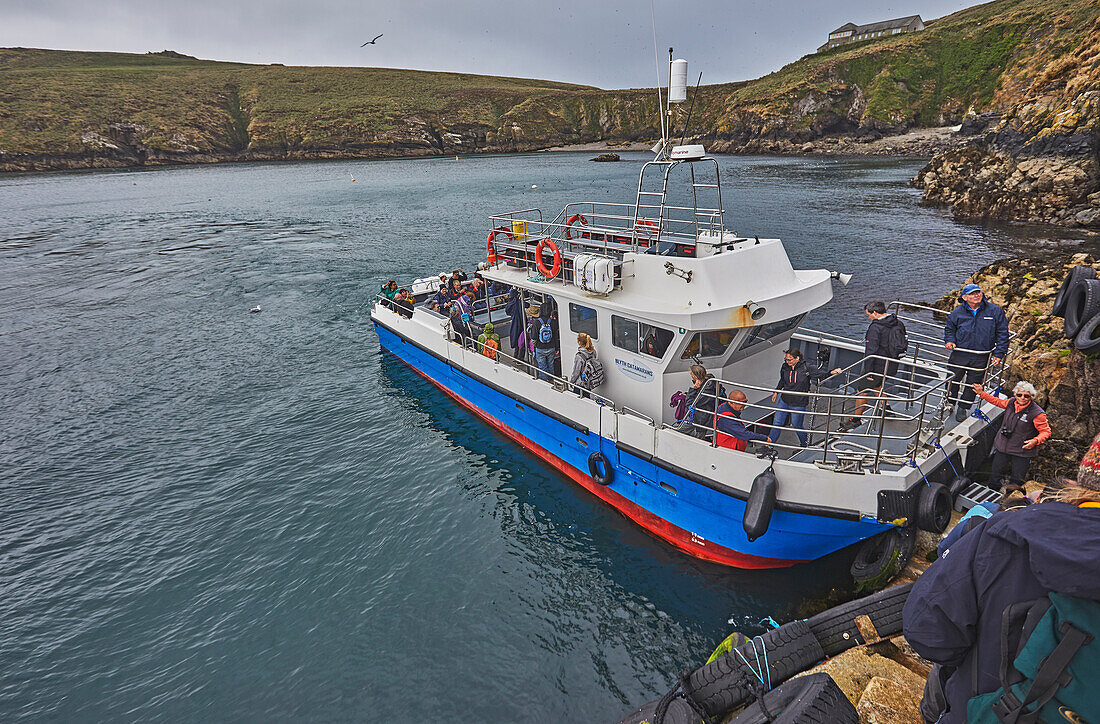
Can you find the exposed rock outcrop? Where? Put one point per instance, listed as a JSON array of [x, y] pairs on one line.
[[1041, 161], [1068, 382]]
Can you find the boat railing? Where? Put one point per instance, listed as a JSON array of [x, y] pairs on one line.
[[595, 228], [926, 339], [894, 423]]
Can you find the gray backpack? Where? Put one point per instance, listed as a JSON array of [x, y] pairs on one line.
[[592, 373]]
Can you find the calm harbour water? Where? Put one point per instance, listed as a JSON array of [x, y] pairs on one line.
[[211, 514]]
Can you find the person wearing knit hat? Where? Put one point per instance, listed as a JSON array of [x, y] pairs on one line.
[[976, 332], [955, 614], [1088, 474], [1023, 429]]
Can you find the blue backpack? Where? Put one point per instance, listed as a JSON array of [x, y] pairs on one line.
[[546, 332], [1050, 663]]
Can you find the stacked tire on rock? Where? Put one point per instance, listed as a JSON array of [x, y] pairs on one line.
[[1078, 303], [758, 670]]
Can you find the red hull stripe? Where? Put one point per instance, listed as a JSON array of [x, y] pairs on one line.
[[653, 524]]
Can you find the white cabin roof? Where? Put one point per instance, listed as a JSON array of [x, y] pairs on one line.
[[716, 297]]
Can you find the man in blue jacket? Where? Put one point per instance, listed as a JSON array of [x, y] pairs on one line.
[[975, 330]]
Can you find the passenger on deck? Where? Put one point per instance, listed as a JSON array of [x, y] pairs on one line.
[[700, 400], [404, 303], [460, 323], [547, 341], [976, 332], [389, 289], [465, 303], [513, 307], [442, 300], [488, 342], [1024, 428], [454, 288], [584, 376], [459, 276], [729, 430], [885, 338], [531, 331], [795, 375]]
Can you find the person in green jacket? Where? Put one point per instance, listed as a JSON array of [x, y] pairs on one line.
[[487, 334]]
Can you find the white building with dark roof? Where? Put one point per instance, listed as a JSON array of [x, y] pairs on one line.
[[851, 33]]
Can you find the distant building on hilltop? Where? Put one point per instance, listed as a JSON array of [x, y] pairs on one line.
[[850, 32]]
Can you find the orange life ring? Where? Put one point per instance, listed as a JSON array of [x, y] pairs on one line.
[[553, 271], [572, 220], [492, 258]]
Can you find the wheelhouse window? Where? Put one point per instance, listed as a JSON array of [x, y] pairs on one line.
[[583, 319], [712, 343], [639, 337], [766, 332]]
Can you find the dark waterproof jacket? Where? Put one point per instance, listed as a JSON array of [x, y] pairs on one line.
[[953, 614], [704, 401], [514, 309], [875, 343], [729, 422], [981, 329], [544, 314], [797, 379]]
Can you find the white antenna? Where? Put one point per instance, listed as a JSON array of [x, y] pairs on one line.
[[659, 149]]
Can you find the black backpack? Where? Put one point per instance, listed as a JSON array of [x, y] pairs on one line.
[[895, 341]]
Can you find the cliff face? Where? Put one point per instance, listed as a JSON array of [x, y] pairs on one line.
[[1041, 162], [1068, 382]]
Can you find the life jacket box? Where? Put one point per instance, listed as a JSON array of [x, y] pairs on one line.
[[425, 285], [594, 274]]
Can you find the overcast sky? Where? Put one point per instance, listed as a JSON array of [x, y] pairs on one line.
[[606, 43]]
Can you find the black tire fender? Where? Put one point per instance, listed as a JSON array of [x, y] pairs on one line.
[[933, 508], [959, 484], [1082, 305], [1087, 340], [1075, 274], [759, 506], [728, 681], [836, 630], [882, 557], [595, 460], [678, 712], [811, 699]]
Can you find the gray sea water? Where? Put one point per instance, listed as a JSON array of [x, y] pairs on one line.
[[207, 514]]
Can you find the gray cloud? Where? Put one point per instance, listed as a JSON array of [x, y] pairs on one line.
[[608, 44]]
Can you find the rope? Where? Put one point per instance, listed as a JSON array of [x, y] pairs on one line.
[[758, 672], [913, 462], [677, 690], [938, 447], [768, 620], [979, 414]]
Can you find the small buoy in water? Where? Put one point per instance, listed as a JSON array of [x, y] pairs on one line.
[[256, 309], [534, 186]]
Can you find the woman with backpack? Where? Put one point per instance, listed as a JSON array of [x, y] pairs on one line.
[[976, 607], [700, 401], [587, 370]]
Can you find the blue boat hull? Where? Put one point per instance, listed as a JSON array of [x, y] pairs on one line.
[[700, 520]]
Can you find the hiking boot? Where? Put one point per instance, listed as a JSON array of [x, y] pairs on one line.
[[850, 424], [962, 413]]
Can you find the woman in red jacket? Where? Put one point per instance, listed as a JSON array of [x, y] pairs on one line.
[[1024, 428]]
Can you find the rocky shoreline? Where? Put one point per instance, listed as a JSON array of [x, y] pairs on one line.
[[124, 150]]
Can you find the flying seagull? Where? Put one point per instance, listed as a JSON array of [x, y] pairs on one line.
[[371, 42]]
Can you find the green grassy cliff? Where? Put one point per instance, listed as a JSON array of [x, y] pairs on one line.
[[61, 109]]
